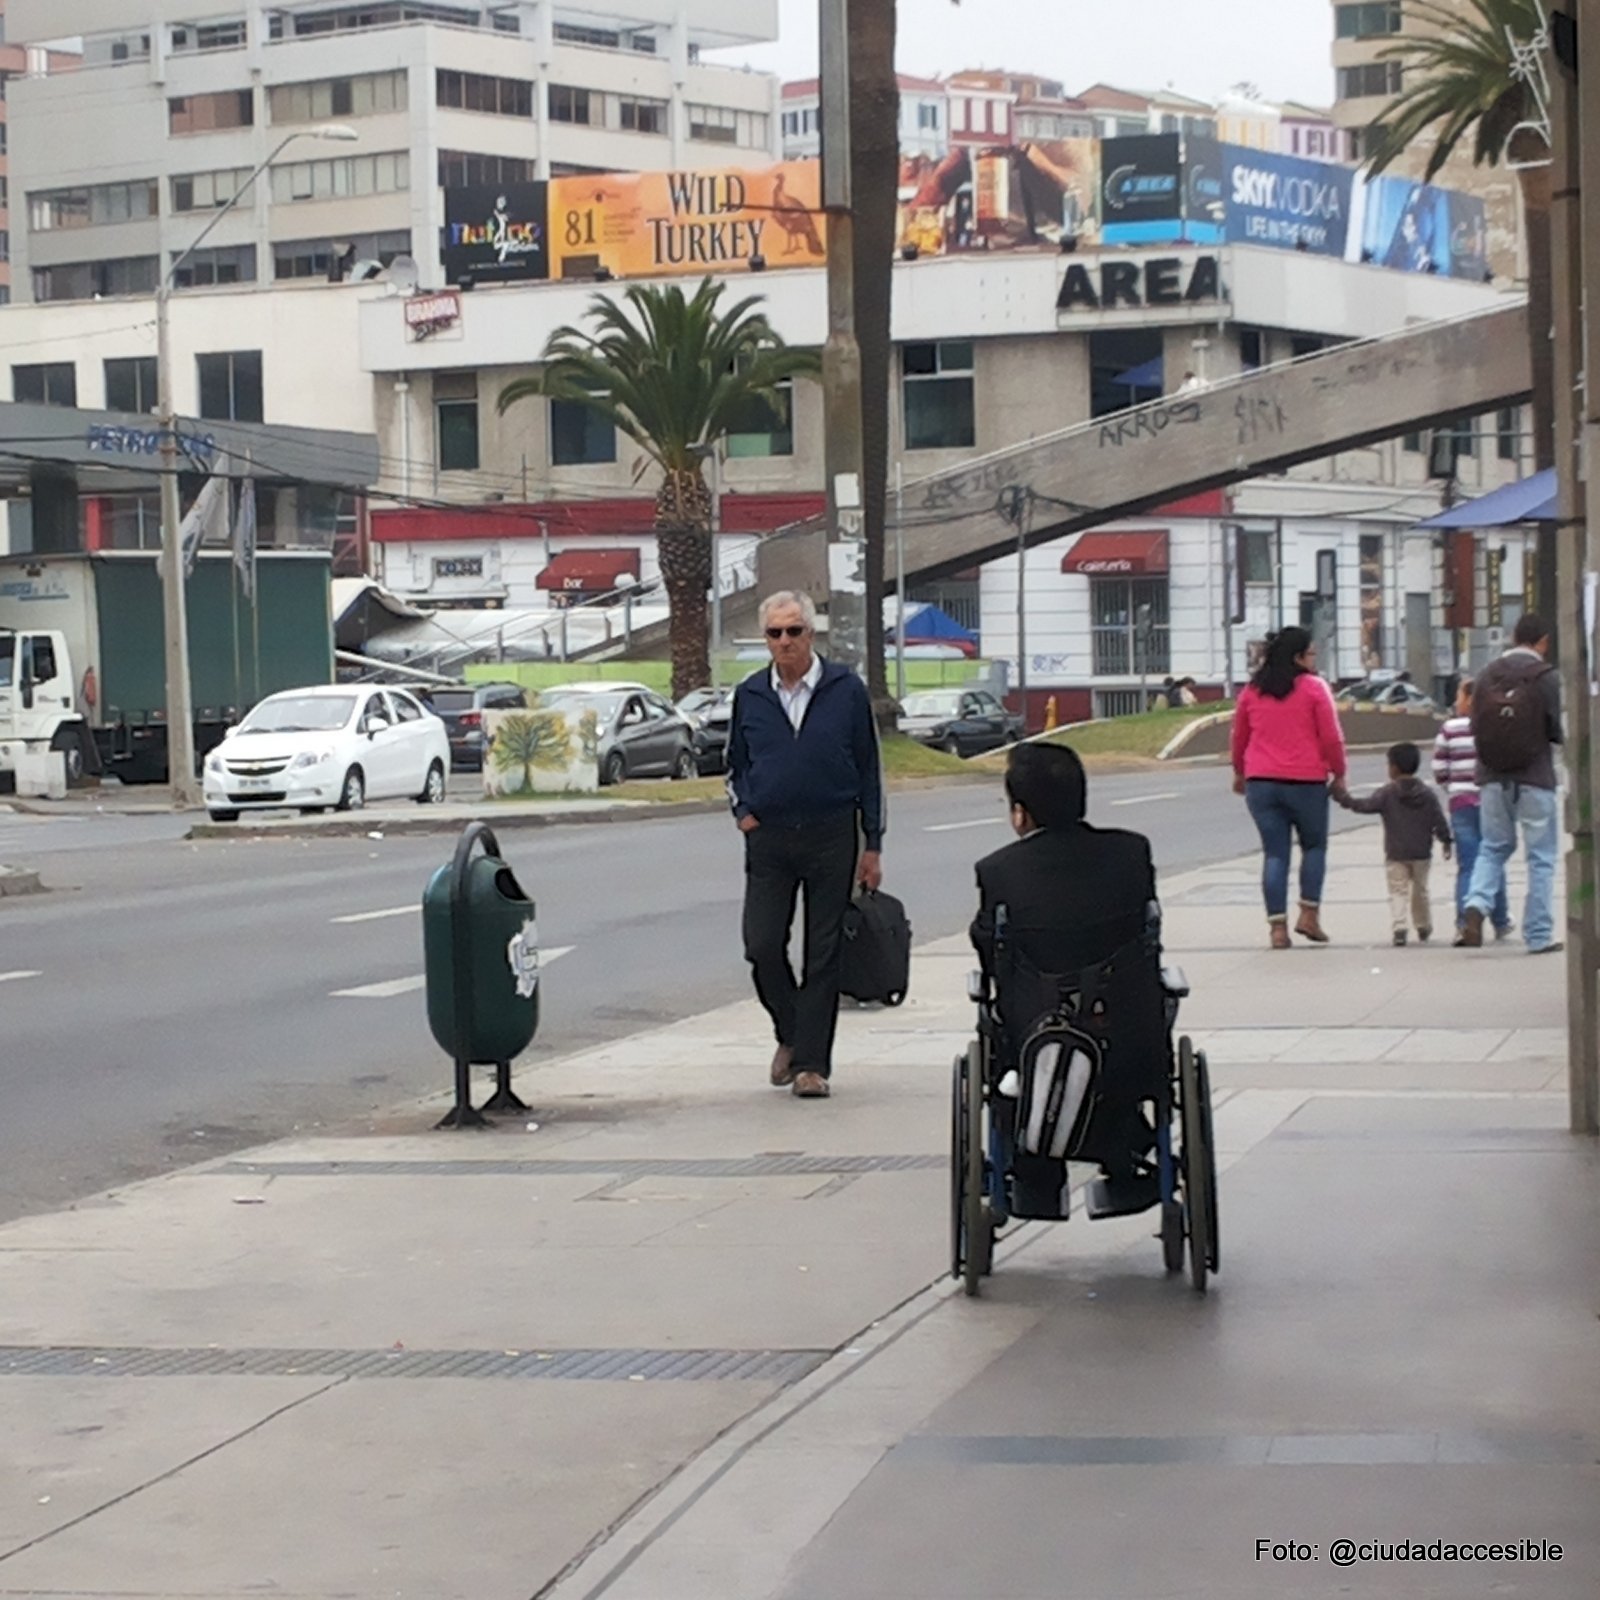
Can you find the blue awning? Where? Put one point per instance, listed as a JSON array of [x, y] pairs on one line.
[[1149, 375], [1528, 500]]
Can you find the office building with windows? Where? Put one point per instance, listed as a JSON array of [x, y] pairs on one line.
[[118, 167]]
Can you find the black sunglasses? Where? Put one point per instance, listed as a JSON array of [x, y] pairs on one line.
[[795, 630]]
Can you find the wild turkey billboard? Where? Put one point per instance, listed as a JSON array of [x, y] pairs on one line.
[[650, 224], [1003, 198]]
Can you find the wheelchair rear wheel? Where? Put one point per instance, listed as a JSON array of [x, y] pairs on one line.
[[1199, 1161], [971, 1224]]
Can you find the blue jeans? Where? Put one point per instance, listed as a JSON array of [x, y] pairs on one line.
[[1502, 807], [1468, 828], [1283, 811]]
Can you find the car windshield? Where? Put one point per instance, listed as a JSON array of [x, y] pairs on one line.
[[5, 663], [443, 700], [604, 706], [932, 705], [305, 713]]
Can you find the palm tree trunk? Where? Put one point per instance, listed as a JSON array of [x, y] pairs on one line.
[[683, 546], [1536, 197], [875, 181]]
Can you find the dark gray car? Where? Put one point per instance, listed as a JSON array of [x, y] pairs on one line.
[[641, 734]]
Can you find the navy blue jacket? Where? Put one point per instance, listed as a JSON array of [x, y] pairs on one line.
[[829, 768]]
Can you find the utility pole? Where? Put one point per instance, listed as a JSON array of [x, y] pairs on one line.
[[1016, 506], [841, 358], [900, 581], [1572, 541]]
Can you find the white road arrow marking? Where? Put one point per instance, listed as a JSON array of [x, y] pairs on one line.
[[378, 916]]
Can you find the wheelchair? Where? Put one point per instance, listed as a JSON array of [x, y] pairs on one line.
[[1143, 1114]]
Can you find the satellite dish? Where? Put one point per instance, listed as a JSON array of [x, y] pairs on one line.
[[404, 274]]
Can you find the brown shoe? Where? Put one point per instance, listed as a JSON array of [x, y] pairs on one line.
[[1280, 936], [811, 1086], [783, 1066], [1310, 925], [1471, 935]]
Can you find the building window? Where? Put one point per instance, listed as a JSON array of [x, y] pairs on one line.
[[642, 116], [750, 130], [1373, 77], [580, 436], [765, 427], [131, 384], [85, 280], [342, 178], [455, 404], [230, 386], [1463, 437], [52, 209], [190, 38], [1412, 444], [506, 22], [460, 168], [371, 94], [205, 191], [209, 113], [50, 383], [224, 264], [473, 91], [939, 395], [791, 124], [1129, 620], [574, 105], [1367, 21], [1256, 555], [594, 38], [1251, 349], [1508, 434], [928, 118], [316, 258]]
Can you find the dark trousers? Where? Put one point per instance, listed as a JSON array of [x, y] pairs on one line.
[[1283, 810], [778, 862]]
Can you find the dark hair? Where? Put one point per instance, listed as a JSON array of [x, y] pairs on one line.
[[1282, 666], [1405, 758], [1048, 782], [1529, 630]]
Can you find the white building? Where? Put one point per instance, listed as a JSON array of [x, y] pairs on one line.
[[115, 169], [924, 118]]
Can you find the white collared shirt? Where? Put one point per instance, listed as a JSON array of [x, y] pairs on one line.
[[796, 701]]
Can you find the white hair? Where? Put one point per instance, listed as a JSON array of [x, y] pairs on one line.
[[783, 599]]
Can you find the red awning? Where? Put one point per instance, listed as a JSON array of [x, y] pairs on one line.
[[1118, 555], [589, 571]]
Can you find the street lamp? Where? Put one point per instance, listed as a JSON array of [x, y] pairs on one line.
[[186, 791]]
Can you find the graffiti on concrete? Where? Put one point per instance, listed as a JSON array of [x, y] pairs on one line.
[[1150, 423], [1260, 417], [1370, 369], [984, 481]]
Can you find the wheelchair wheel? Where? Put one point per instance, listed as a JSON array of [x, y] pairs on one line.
[[1198, 1164], [1172, 1235], [1214, 1253], [971, 1224], [959, 1140]]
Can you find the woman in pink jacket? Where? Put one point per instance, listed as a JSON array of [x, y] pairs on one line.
[[1287, 749]]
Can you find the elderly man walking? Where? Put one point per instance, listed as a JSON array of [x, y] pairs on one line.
[[806, 785]]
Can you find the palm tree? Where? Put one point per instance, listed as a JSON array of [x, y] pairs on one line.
[[1462, 78], [675, 374]]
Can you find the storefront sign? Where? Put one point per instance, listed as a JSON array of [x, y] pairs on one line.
[[458, 567], [1142, 189], [1205, 198], [1118, 283], [148, 441], [432, 312], [496, 233], [639, 225], [1286, 203]]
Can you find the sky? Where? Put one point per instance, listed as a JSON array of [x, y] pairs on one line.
[[1199, 47]]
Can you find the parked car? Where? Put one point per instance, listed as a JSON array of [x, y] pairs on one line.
[[964, 722], [1387, 692], [642, 735], [338, 746], [462, 712], [711, 712]]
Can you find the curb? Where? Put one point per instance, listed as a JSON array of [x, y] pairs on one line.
[[19, 881]]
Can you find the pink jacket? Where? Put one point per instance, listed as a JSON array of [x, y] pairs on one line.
[[1296, 740]]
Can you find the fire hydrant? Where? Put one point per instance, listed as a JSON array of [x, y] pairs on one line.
[[1050, 714]]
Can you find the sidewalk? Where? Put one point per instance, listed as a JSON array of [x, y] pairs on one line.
[[449, 1365]]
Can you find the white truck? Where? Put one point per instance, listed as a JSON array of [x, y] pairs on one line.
[[82, 657]]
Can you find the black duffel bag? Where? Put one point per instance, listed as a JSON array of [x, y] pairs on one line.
[[876, 959]]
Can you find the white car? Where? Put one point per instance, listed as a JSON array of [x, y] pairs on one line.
[[339, 746]]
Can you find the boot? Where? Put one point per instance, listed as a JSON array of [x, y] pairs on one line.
[[1310, 924], [1280, 934]]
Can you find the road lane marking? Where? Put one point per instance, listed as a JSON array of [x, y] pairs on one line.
[[395, 987], [378, 916], [16, 977], [1146, 799], [955, 827]]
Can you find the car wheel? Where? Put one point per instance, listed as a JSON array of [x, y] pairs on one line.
[[616, 768], [951, 747], [70, 741], [223, 816], [433, 790], [353, 792], [685, 766]]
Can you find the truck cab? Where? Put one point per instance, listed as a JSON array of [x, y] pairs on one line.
[[37, 708]]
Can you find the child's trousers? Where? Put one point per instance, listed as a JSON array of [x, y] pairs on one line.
[[1408, 892]]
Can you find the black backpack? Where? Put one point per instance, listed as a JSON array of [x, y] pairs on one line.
[[1508, 713], [876, 963]]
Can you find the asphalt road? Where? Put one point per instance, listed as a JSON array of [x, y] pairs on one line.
[[170, 1001]]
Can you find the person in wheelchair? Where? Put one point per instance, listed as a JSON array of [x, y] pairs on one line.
[[1068, 921]]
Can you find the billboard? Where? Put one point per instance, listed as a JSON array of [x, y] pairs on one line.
[[1205, 200], [1002, 198], [1287, 203], [496, 233], [650, 224], [1142, 192], [1415, 227]]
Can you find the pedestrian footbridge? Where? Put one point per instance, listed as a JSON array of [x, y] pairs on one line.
[[1260, 423]]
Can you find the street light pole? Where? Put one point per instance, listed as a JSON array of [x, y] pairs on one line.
[[186, 789], [841, 358]]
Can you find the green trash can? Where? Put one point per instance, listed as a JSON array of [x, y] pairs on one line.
[[481, 953]]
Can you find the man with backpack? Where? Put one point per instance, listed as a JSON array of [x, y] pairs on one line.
[[1516, 722]]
